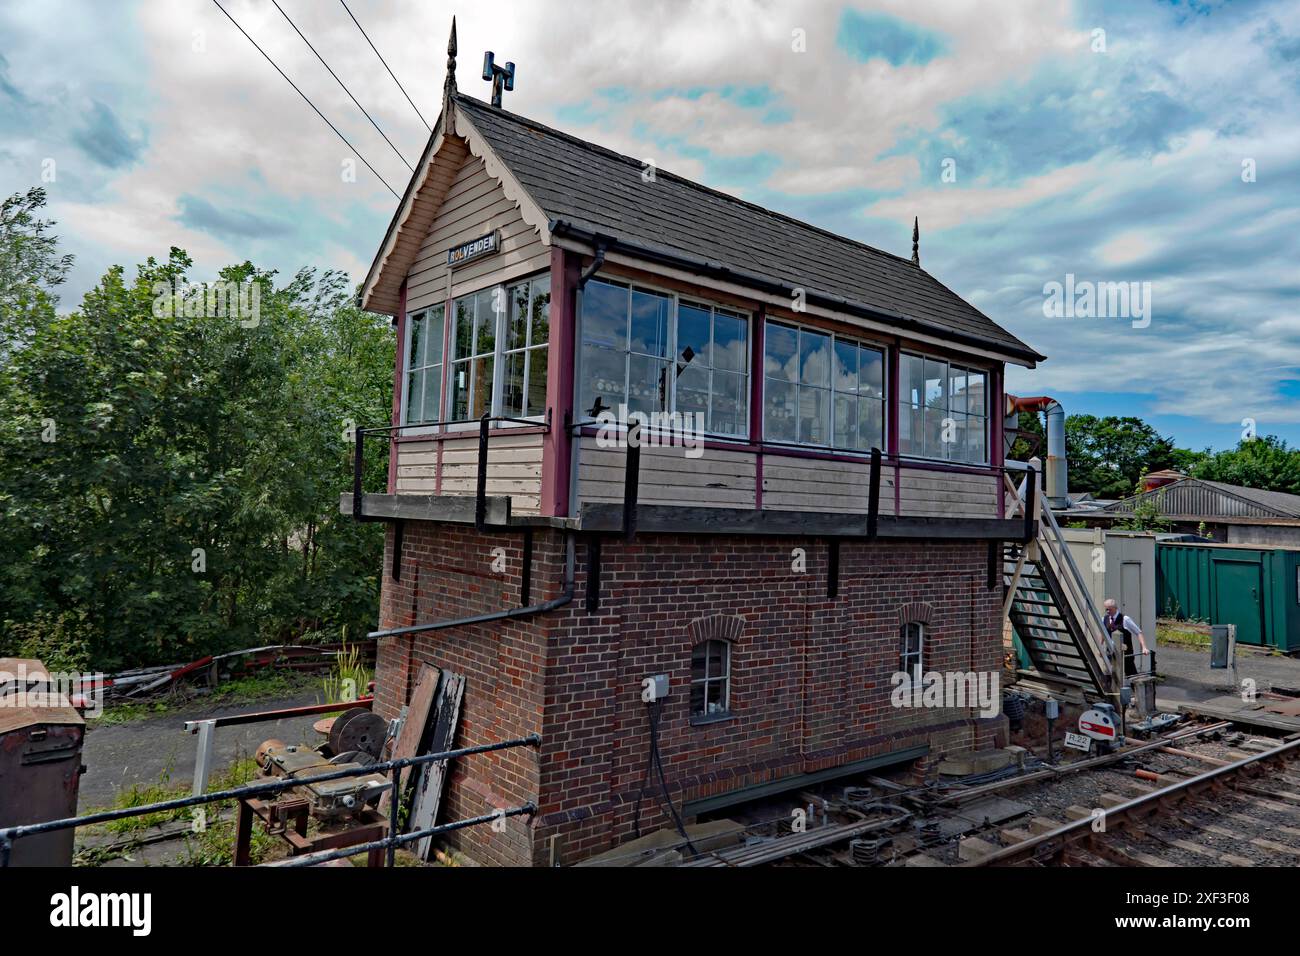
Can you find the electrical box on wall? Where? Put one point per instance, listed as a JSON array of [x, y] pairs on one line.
[[654, 688]]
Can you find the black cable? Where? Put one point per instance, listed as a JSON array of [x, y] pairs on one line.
[[654, 759], [390, 72], [344, 85], [308, 101]]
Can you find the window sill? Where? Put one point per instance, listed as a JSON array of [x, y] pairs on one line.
[[712, 719]]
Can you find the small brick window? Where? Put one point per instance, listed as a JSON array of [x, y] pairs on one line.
[[911, 656], [710, 679]]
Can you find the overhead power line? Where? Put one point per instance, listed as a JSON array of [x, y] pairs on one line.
[[344, 85], [306, 99], [390, 72]]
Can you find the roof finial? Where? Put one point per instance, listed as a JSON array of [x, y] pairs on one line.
[[916, 240], [450, 86]]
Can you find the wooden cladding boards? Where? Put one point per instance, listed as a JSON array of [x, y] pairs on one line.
[[514, 468], [813, 484], [717, 479], [939, 494], [474, 205], [727, 479]]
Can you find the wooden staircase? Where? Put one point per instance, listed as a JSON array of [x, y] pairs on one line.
[[1051, 612]]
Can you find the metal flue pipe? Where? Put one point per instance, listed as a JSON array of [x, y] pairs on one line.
[[1055, 470]]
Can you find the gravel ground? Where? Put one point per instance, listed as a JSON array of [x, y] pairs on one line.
[[141, 751]]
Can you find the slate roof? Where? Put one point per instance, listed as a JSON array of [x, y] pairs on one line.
[[1197, 498], [587, 189]]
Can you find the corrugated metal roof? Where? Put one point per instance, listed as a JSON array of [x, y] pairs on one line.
[[1197, 498]]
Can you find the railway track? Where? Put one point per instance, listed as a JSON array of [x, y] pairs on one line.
[[1199, 809]]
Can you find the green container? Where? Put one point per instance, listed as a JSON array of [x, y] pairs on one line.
[[1252, 587]]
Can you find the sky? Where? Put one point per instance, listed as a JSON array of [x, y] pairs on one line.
[[1155, 144]]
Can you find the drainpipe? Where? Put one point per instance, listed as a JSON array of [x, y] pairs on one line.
[[602, 244], [1056, 471], [565, 597]]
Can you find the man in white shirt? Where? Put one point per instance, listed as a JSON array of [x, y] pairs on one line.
[[1117, 620]]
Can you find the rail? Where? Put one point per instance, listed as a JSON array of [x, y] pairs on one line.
[[484, 423], [390, 843], [1054, 843]]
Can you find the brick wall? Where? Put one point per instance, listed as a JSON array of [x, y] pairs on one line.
[[447, 572], [810, 684]]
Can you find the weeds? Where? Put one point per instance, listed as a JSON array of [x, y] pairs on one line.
[[347, 679]]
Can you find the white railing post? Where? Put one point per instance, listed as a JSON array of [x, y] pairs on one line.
[[203, 758]]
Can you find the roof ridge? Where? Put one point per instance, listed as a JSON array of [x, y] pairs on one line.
[[660, 171]]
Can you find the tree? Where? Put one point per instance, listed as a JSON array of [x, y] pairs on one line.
[[1108, 455], [170, 480], [1266, 463], [30, 268]]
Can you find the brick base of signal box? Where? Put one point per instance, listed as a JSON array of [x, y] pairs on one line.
[[810, 676]]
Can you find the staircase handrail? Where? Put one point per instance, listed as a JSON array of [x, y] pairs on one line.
[[1072, 579]]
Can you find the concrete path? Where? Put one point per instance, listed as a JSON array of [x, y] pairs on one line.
[[139, 752], [1188, 676]]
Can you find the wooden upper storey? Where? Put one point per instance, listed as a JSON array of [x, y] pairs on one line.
[[753, 395]]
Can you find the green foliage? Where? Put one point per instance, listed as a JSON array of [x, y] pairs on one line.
[[1032, 439], [214, 844], [1147, 515], [1108, 455], [347, 679], [142, 795], [30, 268], [1265, 462], [59, 640], [172, 480]]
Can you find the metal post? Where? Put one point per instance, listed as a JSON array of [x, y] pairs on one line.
[[1117, 674], [526, 582], [203, 759], [631, 480], [833, 568], [358, 461], [480, 490], [1232, 659], [1031, 502], [593, 574], [398, 528], [393, 806], [873, 494]]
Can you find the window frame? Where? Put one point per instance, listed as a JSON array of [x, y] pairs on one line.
[[724, 679], [421, 428], [474, 357], [499, 356], [830, 389], [904, 406], [673, 357], [905, 653], [529, 350]]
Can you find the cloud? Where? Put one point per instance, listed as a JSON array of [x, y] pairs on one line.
[[1116, 166], [104, 139], [198, 213]]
